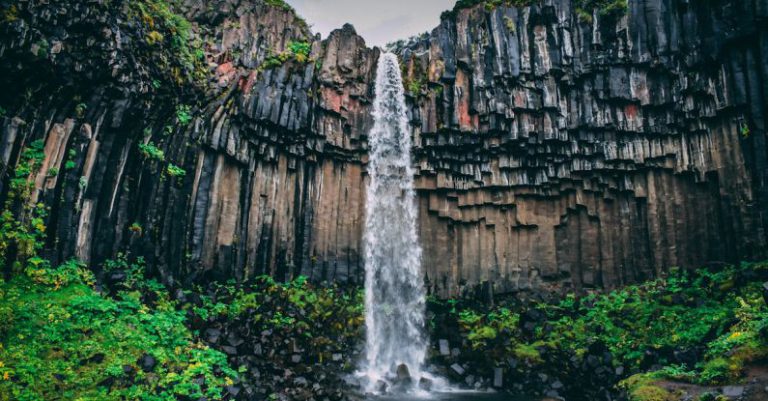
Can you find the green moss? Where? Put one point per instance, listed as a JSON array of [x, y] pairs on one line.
[[650, 393], [61, 340], [527, 352], [641, 387]]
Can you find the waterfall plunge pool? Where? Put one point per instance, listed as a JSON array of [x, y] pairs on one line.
[[451, 396]]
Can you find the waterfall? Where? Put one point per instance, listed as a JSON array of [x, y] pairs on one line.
[[394, 290]]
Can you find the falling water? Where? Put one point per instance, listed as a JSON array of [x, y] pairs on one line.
[[394, 292]]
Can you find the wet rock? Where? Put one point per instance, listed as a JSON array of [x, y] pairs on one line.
[[233, 390], [212, 335], [381, 387], [147, 362], [458, 369], [444, 347], [234, 340], [425, 384], [498, 377], [229, 350], [403, 375], [733, 391]]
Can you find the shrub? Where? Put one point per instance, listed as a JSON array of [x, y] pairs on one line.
[[72, 343], [152, 152], [183, 114], [298, 51], [175, 171]]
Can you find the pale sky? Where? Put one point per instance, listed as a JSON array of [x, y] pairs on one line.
[[378, 21]]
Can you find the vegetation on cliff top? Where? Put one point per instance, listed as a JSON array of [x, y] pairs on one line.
[[584, 8]]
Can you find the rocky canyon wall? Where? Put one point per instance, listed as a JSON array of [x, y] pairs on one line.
[[552, 149]]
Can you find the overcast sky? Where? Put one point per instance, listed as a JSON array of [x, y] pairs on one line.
[[378, 21]]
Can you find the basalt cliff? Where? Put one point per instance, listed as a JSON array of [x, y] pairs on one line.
[[553, 148]]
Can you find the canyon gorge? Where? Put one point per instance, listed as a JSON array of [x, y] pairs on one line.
[[553, 149]]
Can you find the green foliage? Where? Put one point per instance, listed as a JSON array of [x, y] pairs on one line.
[[300, 50], [136, 228], [685, 310], [3, 112], [279, 4], [745, 131], [151, 152], [488, 4], [604, 8], [324, 316], [297, 51], [64, 341], [583, 8], [22, 223], [415, 86], [176, 171], [80, 110], [172, 47], [184, 114]]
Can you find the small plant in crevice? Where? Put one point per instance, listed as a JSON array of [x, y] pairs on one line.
[[744, 130], [184, 114], [295, 50], [604, 8], [136, 229], [175, 171], [80, 110], [151, 152]]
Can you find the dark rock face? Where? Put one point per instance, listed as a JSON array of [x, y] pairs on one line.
[[550, 151]]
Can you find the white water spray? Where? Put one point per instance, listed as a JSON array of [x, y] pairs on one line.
[[394, 290]]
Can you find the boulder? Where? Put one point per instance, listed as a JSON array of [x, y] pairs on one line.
[[425, 384], [444, 347], [458, 369], [733, 391], [147, 362], [498, 377]]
